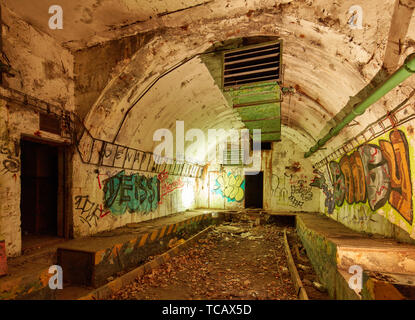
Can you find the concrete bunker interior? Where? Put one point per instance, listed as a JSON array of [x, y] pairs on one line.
[[106, 149]]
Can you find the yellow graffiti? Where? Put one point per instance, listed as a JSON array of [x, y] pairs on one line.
[[230, 187]]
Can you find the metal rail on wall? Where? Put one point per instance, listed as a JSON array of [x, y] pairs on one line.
[[74, 129], [103, 153], [400, 75], [392, 119]]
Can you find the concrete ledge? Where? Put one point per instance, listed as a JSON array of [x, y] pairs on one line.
[[23, 286], [333, 248], [92, 261], [322, 253], [105, 291]]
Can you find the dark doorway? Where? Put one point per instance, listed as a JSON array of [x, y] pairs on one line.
[[39, 192], [254, 190]]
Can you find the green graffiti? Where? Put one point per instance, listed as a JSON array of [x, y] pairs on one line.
[[134, 193]]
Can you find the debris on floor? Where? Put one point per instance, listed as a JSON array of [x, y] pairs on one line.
[[233, 261], [315, 290]]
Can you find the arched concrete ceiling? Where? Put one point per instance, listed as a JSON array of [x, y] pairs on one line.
[[187, 94], [326, 61], [85, 18]]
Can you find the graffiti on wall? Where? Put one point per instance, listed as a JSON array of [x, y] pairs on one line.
[[230, 186], [89, 212], [319, 181], [168, 185], [279, 187], [291, 189], [300, 193], [11, 163], [376, 174], [131, 192]]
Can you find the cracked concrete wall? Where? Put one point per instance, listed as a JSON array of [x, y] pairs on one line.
[[43, 69], [95, 67]]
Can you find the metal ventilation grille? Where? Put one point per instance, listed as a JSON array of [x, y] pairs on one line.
[[252, 64]]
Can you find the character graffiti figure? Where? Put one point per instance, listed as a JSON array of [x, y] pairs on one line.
[[319, 181], [376, 175], [338, 183]]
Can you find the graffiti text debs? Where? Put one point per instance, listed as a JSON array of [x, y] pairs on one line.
[[134, 193]]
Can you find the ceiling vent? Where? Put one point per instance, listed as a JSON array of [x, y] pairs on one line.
[[253, 64]]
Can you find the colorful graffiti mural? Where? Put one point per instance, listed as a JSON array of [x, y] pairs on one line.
[[376, 174], [168, 185], [134, 193], [230, 186]]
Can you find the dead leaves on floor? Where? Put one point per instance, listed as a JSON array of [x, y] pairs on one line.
[[235, 261]]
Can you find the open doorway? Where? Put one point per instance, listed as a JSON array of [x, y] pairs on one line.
[[254, 190], [42, 221]]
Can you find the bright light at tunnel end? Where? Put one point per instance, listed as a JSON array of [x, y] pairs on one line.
[[204, 150]]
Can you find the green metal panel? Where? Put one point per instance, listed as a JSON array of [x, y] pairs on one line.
[[265, 125], [255, 93], [259, 112], [259, 107]]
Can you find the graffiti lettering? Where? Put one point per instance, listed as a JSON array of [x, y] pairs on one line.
[[89, 212], [294, 202], [302, 190], [230, 186], [167, 186], [134, 193], [378, 174], [397, 157]]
